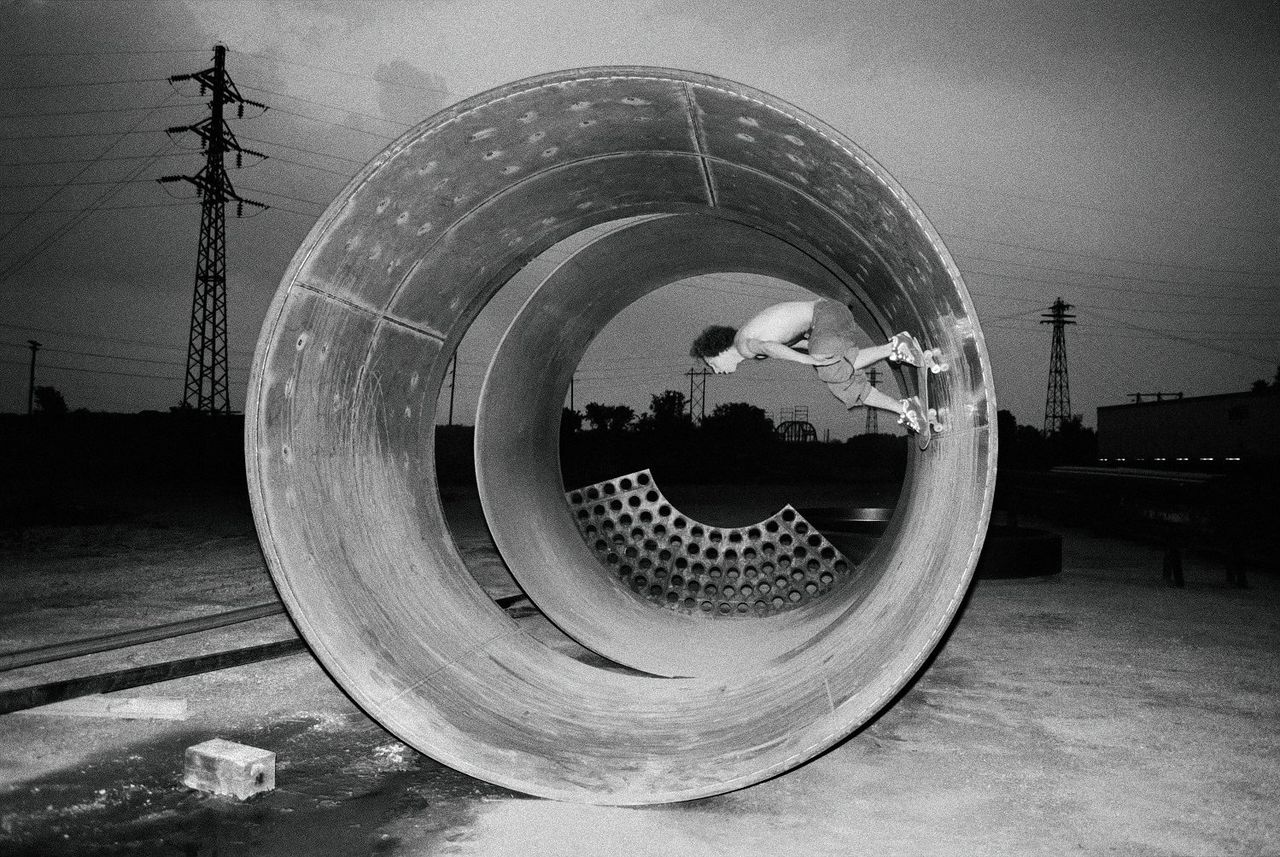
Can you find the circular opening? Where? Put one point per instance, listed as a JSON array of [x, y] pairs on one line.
[[376, 545]]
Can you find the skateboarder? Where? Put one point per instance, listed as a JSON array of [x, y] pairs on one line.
[[817, 333]]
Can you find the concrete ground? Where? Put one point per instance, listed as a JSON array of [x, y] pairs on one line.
[[1097, 712]]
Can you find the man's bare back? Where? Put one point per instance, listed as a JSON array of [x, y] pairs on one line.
[[787, 323], [784, 331], [773, 332]]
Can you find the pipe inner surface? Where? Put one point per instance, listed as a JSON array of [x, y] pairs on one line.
[[517, 443]]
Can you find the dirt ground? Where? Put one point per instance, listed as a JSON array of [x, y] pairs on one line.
[[1096, 712]]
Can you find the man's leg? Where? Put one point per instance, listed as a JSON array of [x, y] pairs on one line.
[[902, 348], [874, 354], [876, 399], [857, 391], [910, 411]]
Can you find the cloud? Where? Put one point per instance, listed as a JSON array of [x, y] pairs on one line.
[[408, 94], [113, 28]]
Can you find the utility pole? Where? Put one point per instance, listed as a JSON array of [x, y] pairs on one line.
[[206, 381], [698, 392], [31, 382], [873, 414], [1057, 401]]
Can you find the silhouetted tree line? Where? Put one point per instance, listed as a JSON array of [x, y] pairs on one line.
[[1261, 386], [60, 466], [49, 402], [1024, 447], [736, 442]]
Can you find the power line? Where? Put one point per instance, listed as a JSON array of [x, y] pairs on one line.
[[1081, 206], [52, 238], [275, 158], [1143, 309], [1231, 333], [73, 183], [1196, 337], [149, 343], [281, 160], [103, 371], [86, 160], [122, 357], [652, 361], [84, 83], [1096, 257], [1211, 346], [1207, 294], [352, 74], [84, 112], [278, 159], [99, 356], [633, 374], [69, 135], [308, 151], [286, 196], [90, 209], [86, 167], [379, 135], [323, 104], [111, 53], [307, 214], [8, 271]]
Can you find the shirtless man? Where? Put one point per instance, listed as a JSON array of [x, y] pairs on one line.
[[824, 330]]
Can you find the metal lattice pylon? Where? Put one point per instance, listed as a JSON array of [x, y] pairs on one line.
[[206, 386], [698, 393], [1057, 401]]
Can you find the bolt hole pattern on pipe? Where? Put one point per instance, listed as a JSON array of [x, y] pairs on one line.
[[343, 404], [674, 562]]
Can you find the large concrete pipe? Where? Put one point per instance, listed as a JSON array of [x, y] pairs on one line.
[[342, 409]]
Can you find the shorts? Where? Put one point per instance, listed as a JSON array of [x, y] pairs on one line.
[[832, 333]]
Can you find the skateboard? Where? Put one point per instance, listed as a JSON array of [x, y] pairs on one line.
[[930, 364]]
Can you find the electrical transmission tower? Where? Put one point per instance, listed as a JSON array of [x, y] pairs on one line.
[[1057, 401], [698, 393], [873, 414], [206, 383]]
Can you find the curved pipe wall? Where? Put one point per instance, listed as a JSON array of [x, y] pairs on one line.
[[342, 410]]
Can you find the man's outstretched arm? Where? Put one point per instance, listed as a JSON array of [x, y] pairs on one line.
[[785, 352]]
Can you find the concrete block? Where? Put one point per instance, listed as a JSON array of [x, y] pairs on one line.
[[228, 768]]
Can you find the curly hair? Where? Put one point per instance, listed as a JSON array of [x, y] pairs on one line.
[[712, 341]]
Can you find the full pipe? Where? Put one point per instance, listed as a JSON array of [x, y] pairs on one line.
[[684, 174]]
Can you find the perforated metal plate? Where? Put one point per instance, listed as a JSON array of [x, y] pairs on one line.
[[674, 561]]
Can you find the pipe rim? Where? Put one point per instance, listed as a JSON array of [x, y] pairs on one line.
[[286, 405]]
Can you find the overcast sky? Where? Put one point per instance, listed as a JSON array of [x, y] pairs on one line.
[[1123, 156]]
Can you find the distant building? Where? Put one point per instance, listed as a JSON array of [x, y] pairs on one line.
[[1192, 431]]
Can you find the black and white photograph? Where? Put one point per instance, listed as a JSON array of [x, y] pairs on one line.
[[646, 428]]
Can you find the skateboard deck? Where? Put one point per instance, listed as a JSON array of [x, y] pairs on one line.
[[931, 364]]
